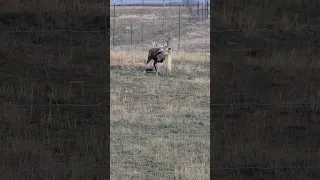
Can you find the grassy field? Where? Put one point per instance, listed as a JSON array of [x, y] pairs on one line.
[[160, 124], [278, 72], [45, 71]]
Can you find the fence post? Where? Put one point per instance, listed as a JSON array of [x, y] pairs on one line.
[[153, 27], [202, 11], [142, 32], [198, 9], [207, 9], [179, 25], [114, 24], [189, 15], [131, 32], [163, 30]]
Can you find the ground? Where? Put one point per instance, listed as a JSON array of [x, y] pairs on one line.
[[160, 124], [274, 77]]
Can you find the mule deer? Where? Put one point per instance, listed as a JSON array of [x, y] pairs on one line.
[[159, 54]]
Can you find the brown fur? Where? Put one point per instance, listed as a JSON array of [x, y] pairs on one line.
[[158, 55]]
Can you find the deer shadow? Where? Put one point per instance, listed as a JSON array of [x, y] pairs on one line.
[[132, 70]]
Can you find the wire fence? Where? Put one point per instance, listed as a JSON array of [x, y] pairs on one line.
[[176, 17]]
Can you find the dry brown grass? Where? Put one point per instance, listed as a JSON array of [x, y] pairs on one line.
[[265, 140], [159, 125]]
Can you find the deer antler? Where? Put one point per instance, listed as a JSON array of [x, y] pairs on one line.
[[155, 44], [165, 40]]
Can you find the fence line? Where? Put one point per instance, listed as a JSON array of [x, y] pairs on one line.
[[202, 13]]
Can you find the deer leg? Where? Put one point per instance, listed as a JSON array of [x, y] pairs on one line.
[[155, 64], [149, 59]]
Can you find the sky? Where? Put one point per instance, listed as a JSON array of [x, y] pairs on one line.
[[146, 1]]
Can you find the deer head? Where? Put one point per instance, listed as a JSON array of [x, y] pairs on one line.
[[168, 41], [155, 44]]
